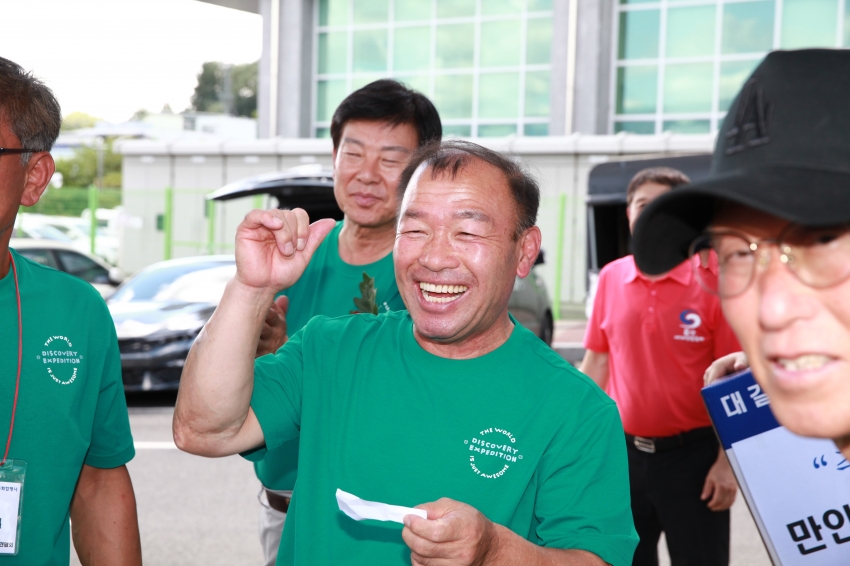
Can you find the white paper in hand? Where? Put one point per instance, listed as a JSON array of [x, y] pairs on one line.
[[359, 509]]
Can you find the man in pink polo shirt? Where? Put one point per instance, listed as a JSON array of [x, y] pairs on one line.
[[649, 341]]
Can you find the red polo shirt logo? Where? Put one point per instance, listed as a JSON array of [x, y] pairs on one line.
[[690, 322]]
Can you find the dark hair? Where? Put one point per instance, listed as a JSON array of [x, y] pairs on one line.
[[386, 100], [450, 157], [29, 107], [661, 175]]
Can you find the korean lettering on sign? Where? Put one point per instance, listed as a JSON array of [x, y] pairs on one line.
[[804, 530], [734, 403]]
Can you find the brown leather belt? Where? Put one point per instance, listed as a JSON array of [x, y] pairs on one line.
[[663, 444], [279, 503]]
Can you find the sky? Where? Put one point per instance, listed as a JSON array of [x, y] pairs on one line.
[[110, 58]]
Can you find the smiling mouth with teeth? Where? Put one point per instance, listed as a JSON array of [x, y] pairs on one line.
[[802, 363], [441, 293]]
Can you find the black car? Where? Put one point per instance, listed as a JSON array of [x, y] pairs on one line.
[[159, 312]]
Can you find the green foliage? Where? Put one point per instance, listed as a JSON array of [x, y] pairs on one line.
[[210, 91], [77, 120], [367, 301], [81, 169], [71, 201]]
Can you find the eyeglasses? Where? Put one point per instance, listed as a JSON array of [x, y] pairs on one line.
[[4, 150], [818, 257]]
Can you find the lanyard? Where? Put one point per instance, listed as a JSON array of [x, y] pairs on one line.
[[20, 358]]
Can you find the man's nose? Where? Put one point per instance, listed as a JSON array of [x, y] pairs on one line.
[[438, 253], [368, 172], [783, 298]]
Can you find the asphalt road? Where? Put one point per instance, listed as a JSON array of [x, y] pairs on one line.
[[199, 511]]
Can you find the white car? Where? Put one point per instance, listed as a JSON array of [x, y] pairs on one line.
[[65, 257]]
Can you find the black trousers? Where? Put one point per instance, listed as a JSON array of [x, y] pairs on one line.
[[665, 489]]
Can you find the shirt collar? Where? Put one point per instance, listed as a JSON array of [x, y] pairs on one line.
[[682, 273]]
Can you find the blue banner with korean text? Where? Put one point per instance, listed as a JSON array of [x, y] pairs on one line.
[[738, 408]]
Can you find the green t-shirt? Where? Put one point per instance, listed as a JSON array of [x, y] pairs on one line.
[[518, 433], [327, 287], [71, 406]]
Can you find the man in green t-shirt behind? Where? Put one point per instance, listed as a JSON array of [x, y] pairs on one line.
[[510, 453], [61, 396], [374, 130]]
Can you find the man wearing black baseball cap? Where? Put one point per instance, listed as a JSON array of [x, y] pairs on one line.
[[776, 213]]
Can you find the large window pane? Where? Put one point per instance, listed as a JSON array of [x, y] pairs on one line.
[[536, 130], [636, 89], [422, 83], [410, 10], [412, 49], [333, 52], [371, 11], [359, 81], [639, 34], [455, 46], [687, 126], [748, 27], [328, 96], [498, 95], [687, 87], [733, 74], [457, 130], [453, 95], [496, 130], [847, 23], [539, 44], [500, 45], [808, 23], [690, 31], [645, 128], [455, 8], [636, 1], [370, 50], [539, 5], [499, 7], [537, 94], [333, 12]]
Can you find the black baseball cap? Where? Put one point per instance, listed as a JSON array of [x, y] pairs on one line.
[[784, 149]]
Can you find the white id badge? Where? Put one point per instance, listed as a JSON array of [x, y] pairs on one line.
[[12, 475]]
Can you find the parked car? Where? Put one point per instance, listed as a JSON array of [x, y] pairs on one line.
[[159, 312], [64, 256], [311, 187]]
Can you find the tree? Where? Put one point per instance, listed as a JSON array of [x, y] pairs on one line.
[[77, 120], [81, 169], [213, 95]]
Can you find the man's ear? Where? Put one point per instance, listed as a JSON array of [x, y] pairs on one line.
[[529, 250], [40, 170]]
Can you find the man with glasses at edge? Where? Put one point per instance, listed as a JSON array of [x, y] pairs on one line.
[[60, 387], [776, 214]]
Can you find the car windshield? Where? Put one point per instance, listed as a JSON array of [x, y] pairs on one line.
[[46, 232], [201, 282]]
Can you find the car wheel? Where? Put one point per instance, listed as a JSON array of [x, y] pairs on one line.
[[547, 328]]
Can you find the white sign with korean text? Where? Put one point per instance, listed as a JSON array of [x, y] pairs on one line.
[[10, 499]]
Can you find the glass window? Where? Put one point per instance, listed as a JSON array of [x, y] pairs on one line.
[[455, 8], [370, 50], [748, 27], [733, 74], [635, 127], [636, 89], [359, 81], [457, 130], [539, 43], [323, 132], [537, 93], [539, 5], [536, 130], [639, 34], [500, 43], [687, 126], [496, 130], [328, 96], [42, 256], [808, 23], [412, 49], [410, 10], [690, 31], [847, 23], [499, 7], [333, 12], [82, 267], [333, 52], [422, 83], [455, 46], [453, 95], [498, 95], [688, 87], [371, 11], [636, 1]]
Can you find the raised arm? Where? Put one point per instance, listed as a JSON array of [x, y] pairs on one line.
[[213, 416]]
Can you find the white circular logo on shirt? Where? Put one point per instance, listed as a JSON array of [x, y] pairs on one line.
[[61, 359], [492, 452]]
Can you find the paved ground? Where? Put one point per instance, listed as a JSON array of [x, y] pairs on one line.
[[197, 511]]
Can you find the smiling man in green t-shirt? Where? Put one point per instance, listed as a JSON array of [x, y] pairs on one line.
[[513, 455], [374, 130], [61, 397]]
